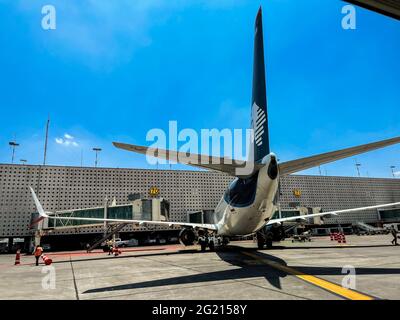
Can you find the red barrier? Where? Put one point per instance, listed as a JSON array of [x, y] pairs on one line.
[[336, 236]]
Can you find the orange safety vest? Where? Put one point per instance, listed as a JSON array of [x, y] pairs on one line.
[[38, 251]]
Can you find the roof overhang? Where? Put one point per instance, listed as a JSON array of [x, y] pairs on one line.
[[390, 8]]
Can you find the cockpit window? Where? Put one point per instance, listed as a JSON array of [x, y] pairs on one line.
[[241, 192]]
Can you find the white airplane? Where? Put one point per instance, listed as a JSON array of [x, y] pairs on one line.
[[248, 203]]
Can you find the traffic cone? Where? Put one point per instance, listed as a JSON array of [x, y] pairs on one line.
[[344, 238], [47, 261], [18, 258], [331, 234], [116, 252], [340, 238]]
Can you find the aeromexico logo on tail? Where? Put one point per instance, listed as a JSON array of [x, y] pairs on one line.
[[260, 118]]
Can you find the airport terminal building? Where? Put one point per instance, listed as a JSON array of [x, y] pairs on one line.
[[65, 188]]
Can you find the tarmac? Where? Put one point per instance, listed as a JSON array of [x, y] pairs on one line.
[[363, 268]]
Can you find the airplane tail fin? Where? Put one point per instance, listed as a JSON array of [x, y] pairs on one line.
[[259, 147], [42, 213], [259, 115]]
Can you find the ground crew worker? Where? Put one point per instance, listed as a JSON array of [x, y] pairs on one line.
[[110, 247], [38, 252], [394, 234]]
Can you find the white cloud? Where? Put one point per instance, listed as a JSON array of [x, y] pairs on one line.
[[68, 140], [67, 136]]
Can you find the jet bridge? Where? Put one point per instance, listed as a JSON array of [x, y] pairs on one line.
[[155, 209]]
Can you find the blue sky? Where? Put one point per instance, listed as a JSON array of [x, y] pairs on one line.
[[112, 70]]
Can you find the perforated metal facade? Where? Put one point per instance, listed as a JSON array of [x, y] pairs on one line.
[[63, 188]]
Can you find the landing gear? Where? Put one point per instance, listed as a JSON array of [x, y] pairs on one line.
[[264, 239], [203, 245], [211, 245], [225, 241], [268, 242], [205, 241], [260, 242]]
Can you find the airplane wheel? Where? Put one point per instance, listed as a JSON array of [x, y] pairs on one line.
[[269, 243], [225, 241], [211, 245], [203, 246], [260, 243]]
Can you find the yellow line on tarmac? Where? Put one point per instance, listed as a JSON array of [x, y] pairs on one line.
[[329, 286]]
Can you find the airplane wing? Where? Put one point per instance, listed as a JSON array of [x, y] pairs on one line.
[[233, 167], [336, 212], [313, 161], [44, 214], [225, 164]]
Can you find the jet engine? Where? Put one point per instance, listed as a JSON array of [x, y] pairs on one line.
[[187, 237], [275, 232]]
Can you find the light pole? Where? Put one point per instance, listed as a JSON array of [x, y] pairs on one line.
[[24, 161], [97, 150], [45, 141], [358, 165], [13, 145], [392, 168]]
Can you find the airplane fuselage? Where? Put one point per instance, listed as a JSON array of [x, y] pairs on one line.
[[248, 203]]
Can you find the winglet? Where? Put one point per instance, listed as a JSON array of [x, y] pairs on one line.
[[39, 207]]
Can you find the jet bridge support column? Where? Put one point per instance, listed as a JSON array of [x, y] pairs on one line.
[[105, 216], [112, 230], [38, 234], [38, 237]]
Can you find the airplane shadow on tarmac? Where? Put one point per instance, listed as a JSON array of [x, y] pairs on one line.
[[249, 268]]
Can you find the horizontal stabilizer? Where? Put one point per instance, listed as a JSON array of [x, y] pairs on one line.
[[226, 165], [313, 161]]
